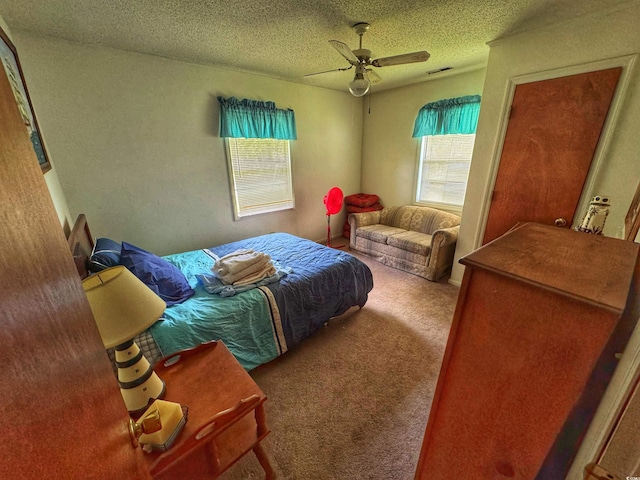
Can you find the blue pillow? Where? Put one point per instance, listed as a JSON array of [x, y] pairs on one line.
[[106, 253], [164, 278]]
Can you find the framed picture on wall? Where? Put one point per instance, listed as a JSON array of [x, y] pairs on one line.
[[11, 67]]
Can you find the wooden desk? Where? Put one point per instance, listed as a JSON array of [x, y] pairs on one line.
[[225, 414]]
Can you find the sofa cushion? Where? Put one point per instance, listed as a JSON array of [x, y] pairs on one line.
[[373, 208], [378, 232], [361, 199], [416, 242], [390, 254], [428, 220], [399, 217]]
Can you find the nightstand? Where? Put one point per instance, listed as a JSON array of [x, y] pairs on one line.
[[225, 418]]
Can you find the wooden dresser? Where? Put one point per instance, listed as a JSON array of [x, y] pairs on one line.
[[542, 311]]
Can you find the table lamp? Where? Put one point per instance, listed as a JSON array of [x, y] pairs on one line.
[[123, 307]]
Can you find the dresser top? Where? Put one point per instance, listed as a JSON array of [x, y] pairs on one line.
[[592, 268]]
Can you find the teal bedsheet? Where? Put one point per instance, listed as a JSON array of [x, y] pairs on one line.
[[244, 322]]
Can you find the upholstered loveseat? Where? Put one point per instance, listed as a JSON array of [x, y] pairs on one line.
[[418, 240]]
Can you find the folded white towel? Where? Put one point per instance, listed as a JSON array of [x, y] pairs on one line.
[[256, 276], [240, 264], [236, 261], [231, 278]]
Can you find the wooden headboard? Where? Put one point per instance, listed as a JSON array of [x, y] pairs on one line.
[[81, 245]]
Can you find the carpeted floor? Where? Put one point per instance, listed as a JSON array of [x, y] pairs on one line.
[[352, 401]]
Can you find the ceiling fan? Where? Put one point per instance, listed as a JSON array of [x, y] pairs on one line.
[[361, 59]]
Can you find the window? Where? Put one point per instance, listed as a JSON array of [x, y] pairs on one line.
[[443, 169], [448, 130], [260, 175]]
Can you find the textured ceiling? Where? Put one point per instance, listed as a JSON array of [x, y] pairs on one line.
[[287, 39]]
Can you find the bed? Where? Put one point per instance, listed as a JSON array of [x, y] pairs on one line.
[[261, 323]]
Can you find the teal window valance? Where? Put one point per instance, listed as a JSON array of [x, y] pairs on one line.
[[255, 119], [449, 116]]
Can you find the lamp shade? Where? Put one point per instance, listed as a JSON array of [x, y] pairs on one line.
[[122, 305]]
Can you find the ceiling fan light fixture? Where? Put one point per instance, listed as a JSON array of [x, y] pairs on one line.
[[359, 87], [361, 59]]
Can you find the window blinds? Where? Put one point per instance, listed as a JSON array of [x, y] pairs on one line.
[[261, 175]]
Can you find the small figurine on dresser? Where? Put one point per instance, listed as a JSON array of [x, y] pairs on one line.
[[593, 221]]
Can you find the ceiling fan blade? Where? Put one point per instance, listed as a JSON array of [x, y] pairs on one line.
[[344, 50], [373, 77], [401, 59], [329, 71]]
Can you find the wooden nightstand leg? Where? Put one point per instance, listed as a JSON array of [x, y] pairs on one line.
[[264, 462], [261, 421], [262, 429]]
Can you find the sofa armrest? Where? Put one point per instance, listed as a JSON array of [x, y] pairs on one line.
[[444, 237], [357, 220], [443, 247]]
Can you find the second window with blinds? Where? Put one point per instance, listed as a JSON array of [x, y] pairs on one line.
[[260, 174], [443, 169]]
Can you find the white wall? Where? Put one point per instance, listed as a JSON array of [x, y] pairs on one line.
[[389, 152], [51, 177], [135, 142], [583, 40], [5, 27]]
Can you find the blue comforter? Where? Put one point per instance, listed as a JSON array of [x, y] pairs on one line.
[[260, 324]]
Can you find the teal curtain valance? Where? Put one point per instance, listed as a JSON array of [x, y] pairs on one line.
[[448, 116], [255, 119]]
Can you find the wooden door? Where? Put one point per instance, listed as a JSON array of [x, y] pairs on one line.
[[62, 415], [554, 129]]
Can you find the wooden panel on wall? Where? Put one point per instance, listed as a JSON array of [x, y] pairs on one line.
[[62, 413]]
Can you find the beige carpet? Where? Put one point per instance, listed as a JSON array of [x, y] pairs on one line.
[[352, 401]]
